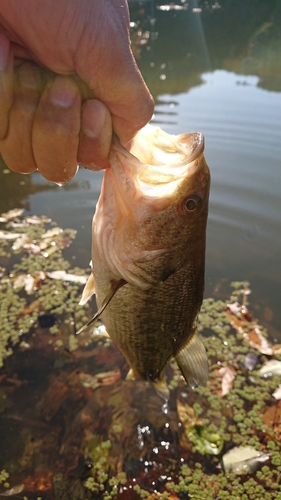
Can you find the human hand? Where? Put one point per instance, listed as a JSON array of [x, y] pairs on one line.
[[52, 123]]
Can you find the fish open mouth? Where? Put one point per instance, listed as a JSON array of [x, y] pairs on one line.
[[166, 160], [155, 147], [159, 162]]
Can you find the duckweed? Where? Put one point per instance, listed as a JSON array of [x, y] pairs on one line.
[[20, 310], [193, 469]]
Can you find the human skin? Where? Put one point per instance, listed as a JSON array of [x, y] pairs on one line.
[[67, 80]]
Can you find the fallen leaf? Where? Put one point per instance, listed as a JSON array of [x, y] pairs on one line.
[[35, 219], [18, 224], [6, 235], [243, 459], [271, 367], [100, 379], [276, 349], [186, 414], [277, 392], [12, 214], [13, 491], [21, 242], [53, 399], [52, 232], [50, 250], [227, 374], [36, 304], [159, 496], [62, 275], [272, 418], [28, 281], [239, 315]]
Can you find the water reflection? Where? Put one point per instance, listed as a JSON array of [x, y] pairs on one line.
[[203, 36], [213, 67], [216, 67]]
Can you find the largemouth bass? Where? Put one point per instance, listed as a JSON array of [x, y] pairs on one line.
[[148, 253]]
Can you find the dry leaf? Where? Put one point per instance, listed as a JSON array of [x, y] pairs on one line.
[[270, 368], [227, 374], [21, 242], [243, 459], [28, 281], [52, 232], [276, 349], [239, 315], [13, 491], [35, 219], [272, 418], [277, 392], [54, 398], [62, 275], [16, 212], [6, 235], [100, 379], [186, 414]]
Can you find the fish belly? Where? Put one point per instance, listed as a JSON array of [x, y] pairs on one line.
[[151, 326]]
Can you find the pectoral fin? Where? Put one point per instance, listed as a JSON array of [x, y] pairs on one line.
[[114, 286], [88, 291], [193, 362]]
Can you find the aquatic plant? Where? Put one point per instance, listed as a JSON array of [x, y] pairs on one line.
[[130, 444], [28, 292]]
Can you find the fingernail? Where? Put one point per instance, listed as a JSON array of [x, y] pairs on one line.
[[4, 52], [63, 92], [93, 119]]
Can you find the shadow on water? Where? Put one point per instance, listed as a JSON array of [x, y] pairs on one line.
[[68, 417]]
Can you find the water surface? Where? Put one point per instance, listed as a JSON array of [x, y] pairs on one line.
[[214, 67]]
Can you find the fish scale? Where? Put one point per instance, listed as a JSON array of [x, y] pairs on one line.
[[153, 324], [148, 254]]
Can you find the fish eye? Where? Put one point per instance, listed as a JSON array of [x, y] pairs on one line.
[[191, 202]]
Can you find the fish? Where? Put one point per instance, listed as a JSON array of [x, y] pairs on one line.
[[148, 254]]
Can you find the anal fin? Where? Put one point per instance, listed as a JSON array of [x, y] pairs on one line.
[[193, 361], [162, 389], [131, 375]]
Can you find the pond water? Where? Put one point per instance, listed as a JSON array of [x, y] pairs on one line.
[[212, 67]]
